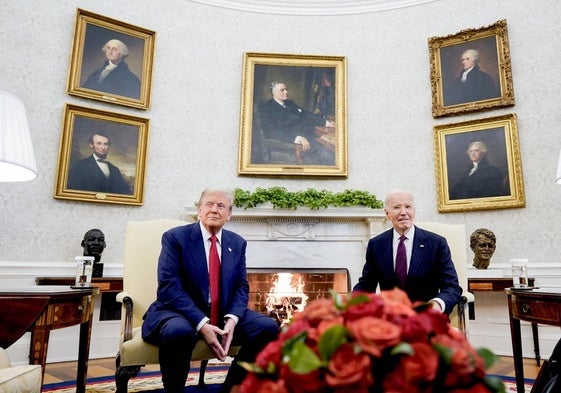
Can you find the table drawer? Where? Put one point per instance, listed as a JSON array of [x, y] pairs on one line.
[[536, 311], [68, 313]]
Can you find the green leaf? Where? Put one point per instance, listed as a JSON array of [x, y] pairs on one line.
[[495, 384], [402, 348], [302, 360], [489, 358], [331, 340], [444, 352]]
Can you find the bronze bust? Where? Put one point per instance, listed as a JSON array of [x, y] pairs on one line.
[[93, 244], [483, 243]]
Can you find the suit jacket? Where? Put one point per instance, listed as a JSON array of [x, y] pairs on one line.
[[286, 123], [431, 270], [183, 283], [478, 86], [486, 181], [85, 175], [119, 81]]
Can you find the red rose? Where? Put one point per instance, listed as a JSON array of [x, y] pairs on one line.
[[318, 310], [477, 388], [374, 334], [372, 306], [302, 383], [271, 353], [395, 295], [349, 371], [414, 371], [253, 384]]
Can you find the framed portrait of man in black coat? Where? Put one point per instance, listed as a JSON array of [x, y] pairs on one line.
[[293, 118], [102, 157], [111, 61], [470, 71], [478, 165]]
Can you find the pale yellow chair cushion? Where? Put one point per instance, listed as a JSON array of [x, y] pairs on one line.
[[19, 379]]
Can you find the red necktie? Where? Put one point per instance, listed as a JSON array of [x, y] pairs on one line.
[[401, 262], [214, 275]]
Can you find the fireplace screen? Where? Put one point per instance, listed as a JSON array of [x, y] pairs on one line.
[[280, 292]]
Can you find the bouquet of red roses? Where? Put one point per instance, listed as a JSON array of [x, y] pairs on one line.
[[370, 343]]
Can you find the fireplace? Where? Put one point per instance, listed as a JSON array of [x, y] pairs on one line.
[[280, 292]]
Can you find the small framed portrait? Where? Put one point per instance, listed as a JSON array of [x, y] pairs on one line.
[[478, 165], [293, 116], [102, 157], [111, 61], [470, 71]]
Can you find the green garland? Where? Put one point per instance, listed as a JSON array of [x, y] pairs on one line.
[[279, 197]]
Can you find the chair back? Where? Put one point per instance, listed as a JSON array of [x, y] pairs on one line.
[[455, 235], [142, 249]]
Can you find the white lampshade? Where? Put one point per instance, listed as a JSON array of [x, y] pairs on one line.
[[558, 177], [17, 161]]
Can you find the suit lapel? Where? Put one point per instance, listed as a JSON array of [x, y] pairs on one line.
[[200, 269]]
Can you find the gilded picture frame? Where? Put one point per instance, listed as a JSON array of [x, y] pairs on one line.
[[304, 135], [119, 140], [496, 183], [111, 61], [484, 53]]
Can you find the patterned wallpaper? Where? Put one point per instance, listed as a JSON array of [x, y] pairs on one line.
[[194, 129]]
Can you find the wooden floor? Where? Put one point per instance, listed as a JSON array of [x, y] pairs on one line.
[[59, 372]]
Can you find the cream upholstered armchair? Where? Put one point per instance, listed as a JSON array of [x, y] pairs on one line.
[[455, 235], [142, 249], [19, 379]]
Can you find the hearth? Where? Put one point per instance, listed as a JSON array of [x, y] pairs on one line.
[[280, 292]]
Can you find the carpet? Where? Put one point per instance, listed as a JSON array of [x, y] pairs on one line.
[[151, 382]]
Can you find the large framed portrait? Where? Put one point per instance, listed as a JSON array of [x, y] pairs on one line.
[[293, 116], [102, 157], [478, 165], [470, 71], [111, 61]]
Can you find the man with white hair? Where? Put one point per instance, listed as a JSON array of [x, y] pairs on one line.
[[471, 84], [114, 76]]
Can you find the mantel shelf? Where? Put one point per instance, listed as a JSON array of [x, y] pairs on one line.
[[358, 213]]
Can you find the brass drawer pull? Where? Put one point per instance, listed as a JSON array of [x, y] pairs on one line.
[[525, 308]]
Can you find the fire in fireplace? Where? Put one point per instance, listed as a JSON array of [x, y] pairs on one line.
[[281, 292]]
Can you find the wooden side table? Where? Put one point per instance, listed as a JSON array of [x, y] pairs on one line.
[[110, 309], [499, 284]]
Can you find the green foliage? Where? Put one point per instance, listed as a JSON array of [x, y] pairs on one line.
[[279, 197]]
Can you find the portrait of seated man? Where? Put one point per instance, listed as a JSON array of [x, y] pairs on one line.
[[284, 121]]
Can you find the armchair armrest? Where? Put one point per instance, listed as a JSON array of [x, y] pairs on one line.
[[126, 300]]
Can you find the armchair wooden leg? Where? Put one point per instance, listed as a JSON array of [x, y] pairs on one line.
[[462, 315], [202, 371], [123, 374]]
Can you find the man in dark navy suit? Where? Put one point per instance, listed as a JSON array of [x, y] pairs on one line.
[[431, 276], [180, 314]]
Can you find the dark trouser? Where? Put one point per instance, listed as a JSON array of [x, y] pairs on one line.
[[177, 338]]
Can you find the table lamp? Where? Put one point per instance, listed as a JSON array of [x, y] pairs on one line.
[[17, 161]]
